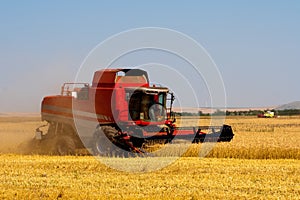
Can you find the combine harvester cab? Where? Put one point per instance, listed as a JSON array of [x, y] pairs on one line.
[[120, 111]]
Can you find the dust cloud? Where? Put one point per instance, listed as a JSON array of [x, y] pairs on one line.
[[17, 133]]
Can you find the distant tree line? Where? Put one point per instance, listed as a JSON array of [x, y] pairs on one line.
[[287, 112], [188, 114]]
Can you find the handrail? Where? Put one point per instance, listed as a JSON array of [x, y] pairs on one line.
[[65, 89]]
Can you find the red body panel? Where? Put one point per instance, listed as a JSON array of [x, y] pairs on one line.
[[105, 101]]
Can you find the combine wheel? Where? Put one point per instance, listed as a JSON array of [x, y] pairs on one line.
[[64, 145], [102, 141]]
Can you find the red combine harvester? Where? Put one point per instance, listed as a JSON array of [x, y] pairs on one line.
[[120, 111]]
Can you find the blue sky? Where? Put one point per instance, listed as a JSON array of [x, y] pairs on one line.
[[255, 44]]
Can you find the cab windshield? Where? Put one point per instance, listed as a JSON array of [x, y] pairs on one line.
[[147, 107]]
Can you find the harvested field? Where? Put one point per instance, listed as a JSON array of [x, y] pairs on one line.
[[70, 177], [15, 131]]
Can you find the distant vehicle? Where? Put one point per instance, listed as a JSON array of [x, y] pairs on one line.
[[267, 114]]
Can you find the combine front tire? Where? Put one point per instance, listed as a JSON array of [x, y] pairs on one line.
[[102, 141]]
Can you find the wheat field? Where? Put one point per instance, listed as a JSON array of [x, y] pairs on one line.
[[261, 162], [255, 138], [71, 177]]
